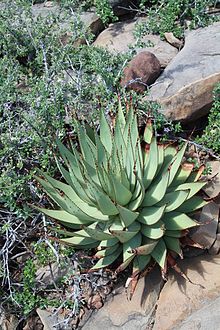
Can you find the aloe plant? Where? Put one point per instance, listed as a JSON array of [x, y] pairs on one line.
[[125, 194]]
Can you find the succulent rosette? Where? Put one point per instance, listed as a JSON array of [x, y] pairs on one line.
[[124, 194]]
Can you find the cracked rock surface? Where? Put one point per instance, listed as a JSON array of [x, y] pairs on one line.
[[120, 313], [179, 299], [185, 87], [179, 305]]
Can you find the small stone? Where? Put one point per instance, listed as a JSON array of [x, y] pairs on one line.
[[173, 40], [95, 302], [8, 322], [141, 72], [48, 4]]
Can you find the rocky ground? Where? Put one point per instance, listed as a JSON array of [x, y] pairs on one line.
[[177, 304]]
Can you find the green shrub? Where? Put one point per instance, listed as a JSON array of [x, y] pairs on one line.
[[27, 298], [175, 16], [42, 85], [104, 10], [211, 134]]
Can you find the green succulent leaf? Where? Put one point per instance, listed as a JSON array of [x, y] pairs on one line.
[[159, 253], [182, 174], [178, 221], [101, 153], [127, 216], [169, 155], [156, 191], [174, 233], [87, 147], [127, 234], [107, 260], [147, 248], [154, 231], [107, 251], [148, 132], [108, 243], [192, 204], [152, 214], [160, 149], [104, 203], [174, 199], [70, 159], [130, 245], [194, 187], [65, 203], [195, 175], [66, 218], [150, 163], [80, 241], [133, 205], [173, 244], [176, 163], [125, 264], [96, 233], [105, 133], [140, 262], [122, 194]]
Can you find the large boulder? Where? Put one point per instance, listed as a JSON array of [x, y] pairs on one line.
[[119, 36], [185, 88], [141, 72], [89, 19]]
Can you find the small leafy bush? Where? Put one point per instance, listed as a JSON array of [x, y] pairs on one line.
[[102, 7], [211, 135], [105, 11], [176, 16], [27, 299], [124, 194]]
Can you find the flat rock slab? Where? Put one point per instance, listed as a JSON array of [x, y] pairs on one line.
[[185, 87], [119, 36], [180, 299], [208, 317], [119, 313]]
